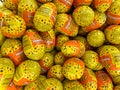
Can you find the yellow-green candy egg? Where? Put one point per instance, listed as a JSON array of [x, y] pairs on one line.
[[73, 68], [60, 40], [55, 72], [13, 49], [14, 26], [51, 84], [27, 9], [91, 60], [7, 70], [88, 80], [46, 62], [96, 38], [35, 84], [59, 58], [72, 85], [83, 15], [109, 58], [26, 72], [112, 34], [33, 45], [45, 17], [66, 25]]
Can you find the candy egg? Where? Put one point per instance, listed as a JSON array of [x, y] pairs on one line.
[[13, 49], [27, 9], [96, 38], [112, 34], [73, 68], [7, 70], [46, 62], [91, 60], [26, 73], [15, 30], [102, 5], [33, 45], [45, 17], [88, 80], [104, 82], [55, 72], [83, 15], [66, 25]]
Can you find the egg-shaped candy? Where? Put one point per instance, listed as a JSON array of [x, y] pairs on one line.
[[27, 9], [46, 62], [83, 15], [104, 82], [91, 60], [55, 72], [33, 45], [66, 25], [45, 17], [113, 13], [112, 33], [59, 58], [96, 38], [109, 58], [73, 68], [14, 26], [7, 70], [102, 5], [88, 80], [26, 72], [13, 49]]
